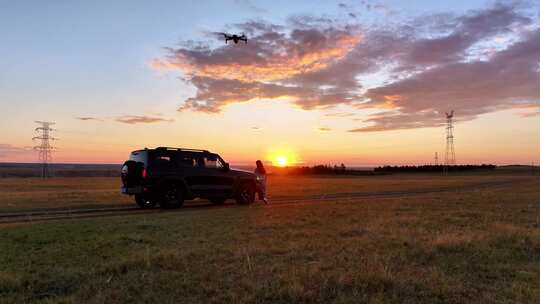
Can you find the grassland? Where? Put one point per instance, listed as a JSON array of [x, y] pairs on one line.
[[22, 194], [469, 246]]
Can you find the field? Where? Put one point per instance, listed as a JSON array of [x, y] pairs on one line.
[[475, 239], [20, 194]]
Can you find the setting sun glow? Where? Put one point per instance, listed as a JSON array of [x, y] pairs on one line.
[[281, 161], [282, 157]]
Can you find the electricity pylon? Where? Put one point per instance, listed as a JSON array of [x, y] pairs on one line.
[[450, 154], [44, 148]]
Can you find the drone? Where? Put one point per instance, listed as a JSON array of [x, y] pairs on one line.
[[235, 38]]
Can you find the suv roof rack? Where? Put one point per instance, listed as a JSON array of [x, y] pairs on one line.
[[182, 149]]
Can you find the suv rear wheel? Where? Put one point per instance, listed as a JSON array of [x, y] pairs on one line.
[[145, 201], [171, 196], [245, 194]]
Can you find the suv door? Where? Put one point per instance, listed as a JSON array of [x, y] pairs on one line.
[[191, 164], [206, 175], [219, 180]]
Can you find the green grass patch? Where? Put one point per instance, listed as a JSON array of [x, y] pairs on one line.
[[478, 246]]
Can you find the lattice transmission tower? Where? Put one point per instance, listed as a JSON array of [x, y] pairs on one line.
[[45, 147], [450, 155]]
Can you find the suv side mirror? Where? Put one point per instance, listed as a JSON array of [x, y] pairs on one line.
[[226, 167]]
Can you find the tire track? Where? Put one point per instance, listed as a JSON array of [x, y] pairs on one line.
[[75, 214]]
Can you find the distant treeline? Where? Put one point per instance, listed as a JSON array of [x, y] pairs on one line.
[[322, 170], [433, 168], [342, 170]]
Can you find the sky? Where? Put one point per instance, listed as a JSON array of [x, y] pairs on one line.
[[364, 83]]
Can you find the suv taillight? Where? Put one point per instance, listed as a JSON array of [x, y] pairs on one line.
[[144, 174]]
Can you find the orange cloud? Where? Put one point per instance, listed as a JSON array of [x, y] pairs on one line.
[[534, 110], [390, 101], [162, 65], [280, 65]]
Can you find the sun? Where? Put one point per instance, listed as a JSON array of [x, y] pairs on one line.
[[281, 161], [282, 157]]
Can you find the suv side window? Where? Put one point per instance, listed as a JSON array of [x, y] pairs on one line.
[[186, 160], [162, 161], [213, 162]]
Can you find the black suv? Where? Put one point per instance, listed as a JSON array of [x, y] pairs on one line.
[[168, 176]]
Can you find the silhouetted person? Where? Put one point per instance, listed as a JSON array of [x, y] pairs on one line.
[[260, 172]]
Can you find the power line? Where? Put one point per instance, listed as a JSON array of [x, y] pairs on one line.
[[44, 148]]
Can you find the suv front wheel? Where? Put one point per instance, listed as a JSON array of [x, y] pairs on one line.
[[245, 194]]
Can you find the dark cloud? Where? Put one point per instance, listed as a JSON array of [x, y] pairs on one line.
[[129, 119], [511, 79], [376, 7], [258, 27], [324, 129], [349, 9], [316, 62], [88, 118], [469, 29], [134, 119]]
